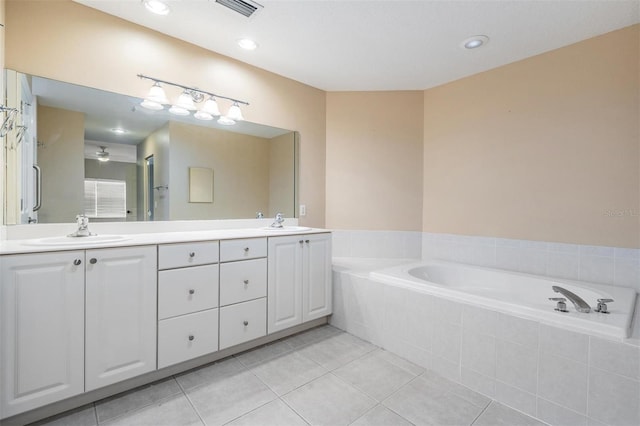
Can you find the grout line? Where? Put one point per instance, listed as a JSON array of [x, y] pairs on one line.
[[294, 410], [189, 400], [95, 412], [482, 412]]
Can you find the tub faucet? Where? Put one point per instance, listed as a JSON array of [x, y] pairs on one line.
[[277, 223], [581, 305], [83, 227]]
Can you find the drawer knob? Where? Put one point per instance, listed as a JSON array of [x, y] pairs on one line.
[[246, 282], [246, 323], [77, 262], [301, 241], [93, 261], [191, 291], [192, 254], [246, 249], [191, 337], [306, 241]]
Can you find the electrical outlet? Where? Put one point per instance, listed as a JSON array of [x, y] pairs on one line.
[[303, 210]]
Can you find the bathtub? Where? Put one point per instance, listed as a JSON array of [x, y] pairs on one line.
[[519, 294]]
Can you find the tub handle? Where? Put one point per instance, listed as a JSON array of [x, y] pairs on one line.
[[561, 306], [602, 306]]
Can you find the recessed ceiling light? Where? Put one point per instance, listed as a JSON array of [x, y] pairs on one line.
[[119, 131], [475, 42], [247, 44], [156, 6]]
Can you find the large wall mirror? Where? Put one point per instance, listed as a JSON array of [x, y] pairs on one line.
[[73, 149]]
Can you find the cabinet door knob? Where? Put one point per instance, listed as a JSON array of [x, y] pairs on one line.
[[246, 249], [93, 261], [301, 241], [246, 282], [306, 241], [191, 337], [246, 323], [192, 254], [191, 291], [77, 262]]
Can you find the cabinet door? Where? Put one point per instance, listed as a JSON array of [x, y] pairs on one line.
[[284, 283], [42, 329], [120, 314], [316, 271]]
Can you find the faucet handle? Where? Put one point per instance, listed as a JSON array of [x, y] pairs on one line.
[[561, 306], [602, 306]]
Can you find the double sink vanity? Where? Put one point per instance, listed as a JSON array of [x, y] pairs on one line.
[[83, 318]]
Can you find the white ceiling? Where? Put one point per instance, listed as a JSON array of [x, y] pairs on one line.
[[338, 45]]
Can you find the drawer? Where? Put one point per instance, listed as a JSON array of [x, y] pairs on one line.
[[249, 248], [186, 337], [187, 254], [242, 281], [243, 322], [185, 290]]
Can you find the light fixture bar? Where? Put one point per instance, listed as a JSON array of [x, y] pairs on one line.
[[192, 89]]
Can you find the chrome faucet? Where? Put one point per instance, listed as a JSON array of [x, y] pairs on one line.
[[83, 227], [277, 223], [581, 305]]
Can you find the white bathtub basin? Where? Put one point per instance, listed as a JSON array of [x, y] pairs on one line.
[[70, 241]]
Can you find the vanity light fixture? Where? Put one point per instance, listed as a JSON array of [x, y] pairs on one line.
[[156, 6], [475, 42], [186, 102], [247, 44], [102, 155]]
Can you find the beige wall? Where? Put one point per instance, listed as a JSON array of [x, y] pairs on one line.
[[542, 149], [281, 175], [116, 170], [240, 166], [374, 160], [108, 52], [61, 158]]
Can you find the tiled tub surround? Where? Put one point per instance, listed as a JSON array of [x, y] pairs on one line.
[[558, 376], [597, 264]]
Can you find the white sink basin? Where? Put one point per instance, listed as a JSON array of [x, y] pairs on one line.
[[288, 229], [69, 241]]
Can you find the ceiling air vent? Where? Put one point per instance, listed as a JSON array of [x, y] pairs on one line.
[[243, 7]]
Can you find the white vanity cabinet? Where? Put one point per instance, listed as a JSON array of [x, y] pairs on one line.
[[299, 280], [41, 329], [73, 321], [243, 290], [187, 301], [121, 288]]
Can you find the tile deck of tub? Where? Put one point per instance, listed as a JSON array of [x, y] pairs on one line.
[[323, 376]]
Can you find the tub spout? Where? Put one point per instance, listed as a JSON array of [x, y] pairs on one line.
[[581, 305]]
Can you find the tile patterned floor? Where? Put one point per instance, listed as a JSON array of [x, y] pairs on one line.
[[320, 377]]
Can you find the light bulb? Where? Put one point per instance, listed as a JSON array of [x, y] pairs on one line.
[[157, 94], [178, 110], [156, 6], [152, 105], [247, 44], [203, 115], [211, 106], [185, 101], [226, 121], [235, 113]]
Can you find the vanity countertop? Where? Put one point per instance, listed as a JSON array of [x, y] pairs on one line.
[[36, 245]]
